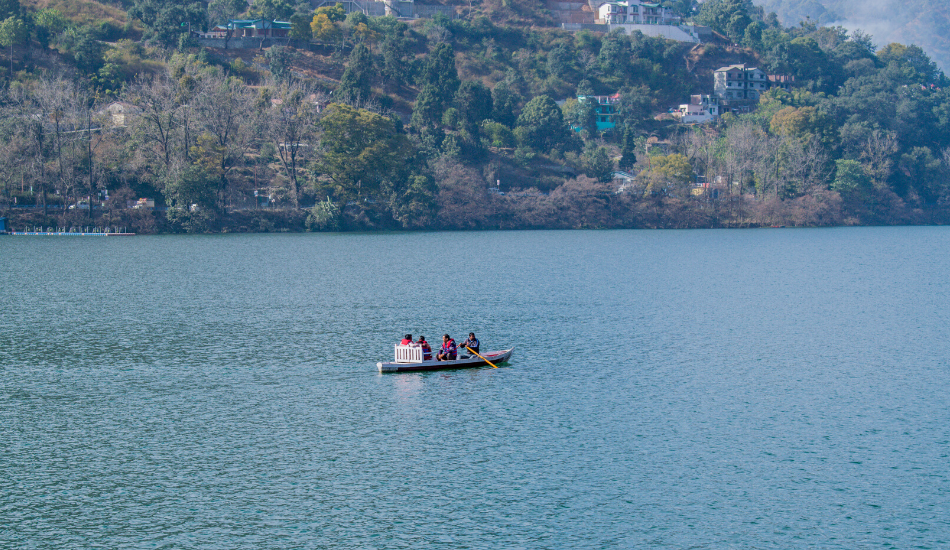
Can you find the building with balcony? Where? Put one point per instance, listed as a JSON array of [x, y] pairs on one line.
[[635, 12], [606, 108], [738, 82]]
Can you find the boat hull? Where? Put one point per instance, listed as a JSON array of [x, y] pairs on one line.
[[495, 357]]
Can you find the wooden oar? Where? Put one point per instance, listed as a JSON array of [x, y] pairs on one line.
[[486, 360]]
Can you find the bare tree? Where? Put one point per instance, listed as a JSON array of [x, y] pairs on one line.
[[160, 125], [63, 107], [743, 141], [699, 146], [227, 120], [290, 125], [877, 156], [805, 165], [765, 166]]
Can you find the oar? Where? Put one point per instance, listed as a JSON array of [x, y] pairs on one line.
[[486, 360]]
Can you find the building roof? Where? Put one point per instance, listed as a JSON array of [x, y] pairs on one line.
[[257, 24], [738, 67]]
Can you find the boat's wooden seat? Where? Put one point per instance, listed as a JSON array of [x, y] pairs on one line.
[[408, 354]]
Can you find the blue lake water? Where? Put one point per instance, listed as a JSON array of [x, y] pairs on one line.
[[770, 388]]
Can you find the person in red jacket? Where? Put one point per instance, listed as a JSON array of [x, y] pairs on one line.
[[406, 341], [449, 350], [426, 349]]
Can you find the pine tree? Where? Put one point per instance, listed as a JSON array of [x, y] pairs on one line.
[[627, 156]]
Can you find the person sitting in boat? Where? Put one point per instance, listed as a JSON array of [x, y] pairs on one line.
[[426, 349], [449, 351], [407, 340], [471, 343]]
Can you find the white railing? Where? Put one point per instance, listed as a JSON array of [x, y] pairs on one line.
[[408, 354]]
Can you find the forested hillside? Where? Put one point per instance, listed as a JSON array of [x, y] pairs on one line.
[[925, 23], [467, 122]]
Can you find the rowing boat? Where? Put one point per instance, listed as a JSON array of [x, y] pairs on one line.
[[409, 359]]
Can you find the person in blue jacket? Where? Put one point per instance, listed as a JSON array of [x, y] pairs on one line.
[[472, 342]]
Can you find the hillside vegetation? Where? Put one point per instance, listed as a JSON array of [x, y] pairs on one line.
[[373, 122], [925, 23]]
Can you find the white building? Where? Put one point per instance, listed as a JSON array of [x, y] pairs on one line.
[[700, 109], [635, 12], [737, 82]]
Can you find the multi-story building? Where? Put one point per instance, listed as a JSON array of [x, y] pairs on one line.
[[635, 12], [606, 108], [738, 82], [782, 81]]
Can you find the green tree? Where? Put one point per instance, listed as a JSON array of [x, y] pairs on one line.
[[280, 10], [428, 108], [505, 105], [397, 61], [193, 185], [581, 114], [597, 164], [439, 71], [729, 17], [10, 8], [86, 50], [357, 79], [922, 173], [803, 123], [414, 204], [498, 134], [334, 13], [280, 59], [636, 107], [913, 58], [628, 155], [474, 103], [324, 28], [669, 175], [851, 180], [614, 56], [165, 19], [49, 23], [541, 125], [561, 60], [361, 151], [12, 31], [300, 26], [220, 12]]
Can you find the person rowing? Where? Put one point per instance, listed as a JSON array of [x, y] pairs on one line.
[[449, 350], [471, 343]]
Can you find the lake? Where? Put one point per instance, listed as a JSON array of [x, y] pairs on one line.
[[774, 388]]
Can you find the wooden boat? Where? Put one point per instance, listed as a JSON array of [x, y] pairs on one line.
[[409, 359]]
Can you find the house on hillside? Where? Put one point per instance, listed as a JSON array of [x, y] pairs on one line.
[[606, 108], [782, 81], [739, 86], [737, 82], [700, 109], [248, 28], [120, 112], [635, 12]]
